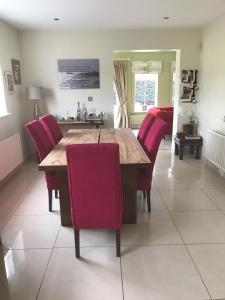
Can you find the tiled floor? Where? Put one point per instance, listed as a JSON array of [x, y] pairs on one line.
[[177, 252]]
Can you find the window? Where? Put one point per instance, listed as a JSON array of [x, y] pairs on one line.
[[3, 110], [146, 91]]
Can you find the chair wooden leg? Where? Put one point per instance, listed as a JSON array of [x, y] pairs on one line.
[[50, 200], [77, 242], [148, 200], [57, 194], [118, 242], [144, 193]]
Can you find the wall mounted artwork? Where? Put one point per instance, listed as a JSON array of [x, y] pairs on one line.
[[189, 86], [78, 73], [16, 71], [9, 82]]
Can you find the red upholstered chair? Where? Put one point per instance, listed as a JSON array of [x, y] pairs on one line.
[[95, 188], [43, 146], [52, 128], [145, 126], [166, 114], [152, 142]]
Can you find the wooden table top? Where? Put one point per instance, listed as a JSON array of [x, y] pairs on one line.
[[131, 152]]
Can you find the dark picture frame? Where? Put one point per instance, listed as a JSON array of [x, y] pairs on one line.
[[16, 71], [9, 82]]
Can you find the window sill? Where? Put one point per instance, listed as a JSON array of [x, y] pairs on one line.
[[5, 115]]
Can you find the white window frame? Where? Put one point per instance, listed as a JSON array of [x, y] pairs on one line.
[[138, 108]]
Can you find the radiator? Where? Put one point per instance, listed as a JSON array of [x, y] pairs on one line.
[[10, 155], [215, 149]]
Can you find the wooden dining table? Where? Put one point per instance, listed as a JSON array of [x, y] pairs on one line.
[[132, 158]]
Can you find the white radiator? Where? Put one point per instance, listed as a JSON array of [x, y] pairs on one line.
[[10, 155], [215, 149]]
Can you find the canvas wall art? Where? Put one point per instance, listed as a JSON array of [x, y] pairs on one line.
[[78, 73]]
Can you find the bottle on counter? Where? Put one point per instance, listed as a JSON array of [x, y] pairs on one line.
[[84, 113], [78, 117]]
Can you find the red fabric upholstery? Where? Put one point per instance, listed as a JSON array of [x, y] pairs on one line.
[[152, 142], [43, 146], [95, 185], [166, 114], [145, 126], [52, 128]]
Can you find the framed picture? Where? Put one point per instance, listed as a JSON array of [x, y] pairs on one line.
[[9, 82], [78, 73], [186, 93], [16, 71]]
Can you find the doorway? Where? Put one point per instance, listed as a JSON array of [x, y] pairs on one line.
[[152, 81]]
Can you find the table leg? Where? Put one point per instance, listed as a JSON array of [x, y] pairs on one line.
[[181, 152], [198, 152], [64, 199], [176, 149], [129, 183]]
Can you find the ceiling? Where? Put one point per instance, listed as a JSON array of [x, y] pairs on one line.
[[109, 14]]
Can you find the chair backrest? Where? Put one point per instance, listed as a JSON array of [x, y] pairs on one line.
[[95, 185], [40, 138], [145, 126], [52, 128], [153, 139]]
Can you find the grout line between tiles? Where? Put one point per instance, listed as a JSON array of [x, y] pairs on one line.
[[47, 265], [121, 274]]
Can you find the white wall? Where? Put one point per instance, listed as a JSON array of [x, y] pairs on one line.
[[9, 48], [41, 49], [211, 106]]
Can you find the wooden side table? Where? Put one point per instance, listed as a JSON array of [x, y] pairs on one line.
[[195, 145], [94, 123]]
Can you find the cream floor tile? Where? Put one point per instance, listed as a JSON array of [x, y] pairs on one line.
[[210, 261], [158, 229], [22, 232], [94, 237], [187, 200], [36, 202], [211, 183], [157, 203], [3, 221], [21, 273], [218, 197], [200, 227], [95, 276], [160, 273], [164, 182]]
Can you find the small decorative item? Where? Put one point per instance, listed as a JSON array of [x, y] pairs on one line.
[[16, 71], [9, 82], [78, 116], [84, 113], [189, 86]]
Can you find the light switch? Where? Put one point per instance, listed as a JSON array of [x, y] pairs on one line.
[[90, 99]]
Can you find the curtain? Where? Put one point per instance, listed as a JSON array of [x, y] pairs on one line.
[[120, 81]]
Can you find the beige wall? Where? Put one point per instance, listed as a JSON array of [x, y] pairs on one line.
[[41, 49], [211, 107], [9, 48]]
